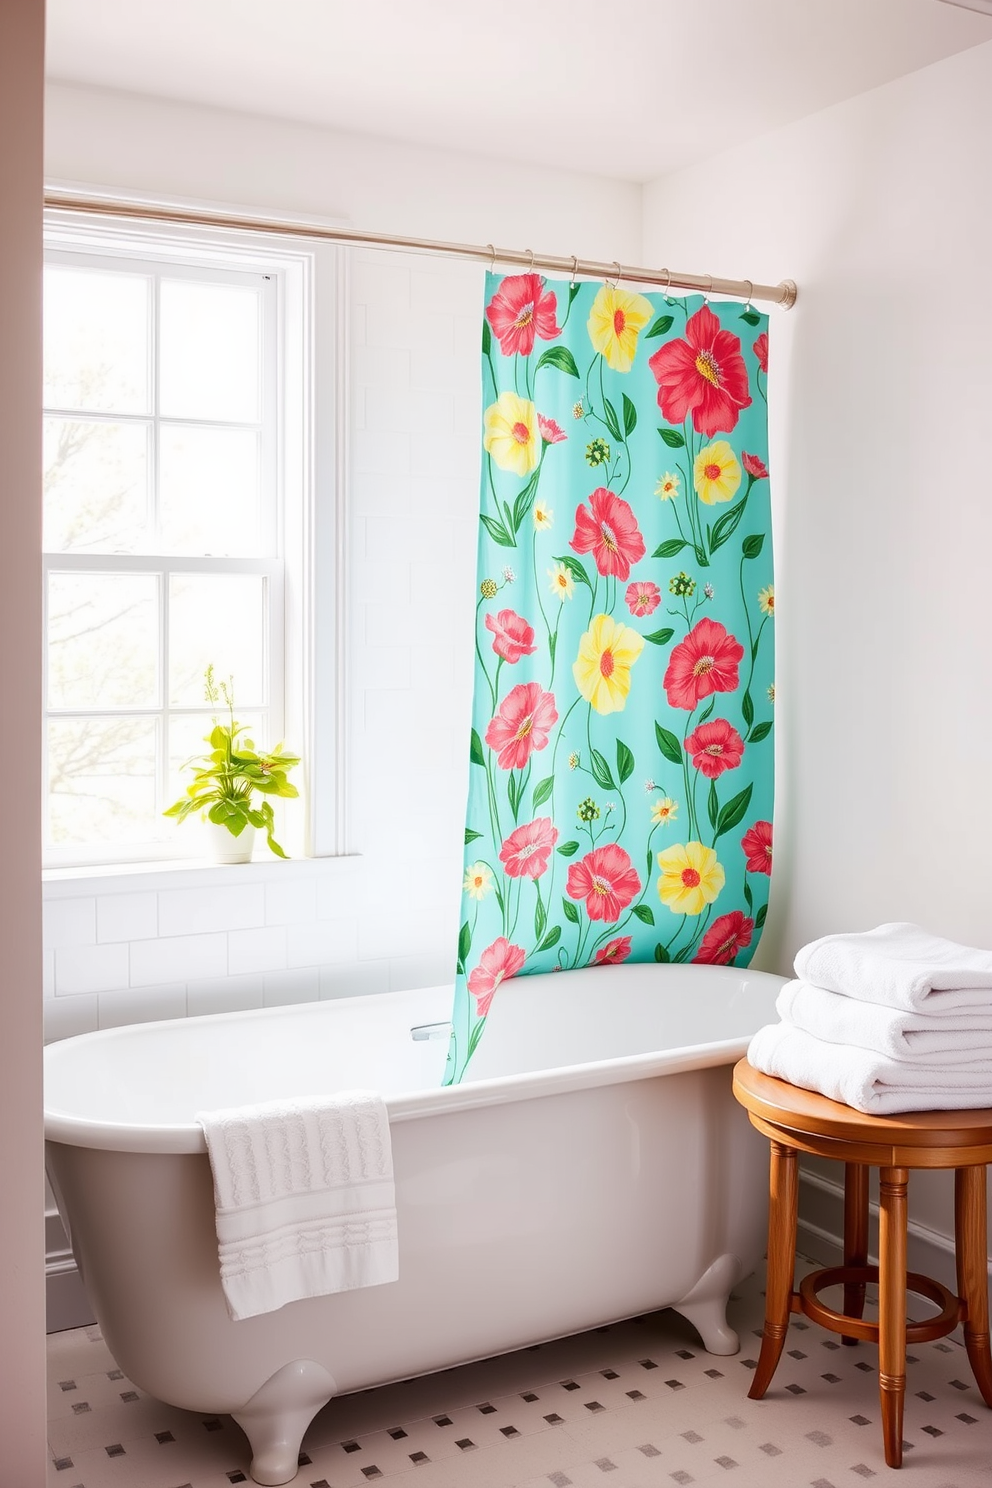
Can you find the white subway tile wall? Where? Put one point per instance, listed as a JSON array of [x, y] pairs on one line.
[[177, 942]]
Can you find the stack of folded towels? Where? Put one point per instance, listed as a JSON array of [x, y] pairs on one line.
[[894, 1019]]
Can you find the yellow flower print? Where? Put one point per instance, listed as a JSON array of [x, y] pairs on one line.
[[601, 670], [690, 878], [668, 487], [478, 881], [716, 473], [615, 321], [664, 811], [562, 582], [512, 436], [766, 600], [543, 517]]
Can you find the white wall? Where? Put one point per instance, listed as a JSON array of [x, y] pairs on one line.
[[882, 400], [22, 1398], [147, 946]]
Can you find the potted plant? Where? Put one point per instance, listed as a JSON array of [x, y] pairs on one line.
[[226, 780]]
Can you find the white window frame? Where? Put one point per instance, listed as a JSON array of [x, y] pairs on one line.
[[308, 675]]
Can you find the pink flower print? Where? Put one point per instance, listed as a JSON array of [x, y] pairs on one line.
[[608, 530], [525, 852], [512, 636], [725, 937], [525, 718], [754, 466], [551, 432], [606, 879], [760, 349], [520, 310], [643, 599], [715, 747], [706, 661], [757, 845], [704, 374], [497, 962], [614, 951]]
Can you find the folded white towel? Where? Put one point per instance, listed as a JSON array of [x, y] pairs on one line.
[[900, 966], [948, 1038], [305, 1198], [865, 1080]]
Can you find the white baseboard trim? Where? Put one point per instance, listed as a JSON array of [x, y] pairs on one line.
[[67, 1305], [821, 1232]]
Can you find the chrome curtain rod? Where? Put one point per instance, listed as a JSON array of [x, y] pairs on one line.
[[783, 294]]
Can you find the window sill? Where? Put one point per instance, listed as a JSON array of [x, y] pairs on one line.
[[186, 873]]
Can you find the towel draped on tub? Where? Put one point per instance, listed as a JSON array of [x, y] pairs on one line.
[[304, 1197]]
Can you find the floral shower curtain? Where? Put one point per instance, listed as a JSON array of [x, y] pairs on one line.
[[620, 796]]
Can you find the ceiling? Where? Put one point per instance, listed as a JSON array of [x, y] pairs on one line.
[[629, 89]]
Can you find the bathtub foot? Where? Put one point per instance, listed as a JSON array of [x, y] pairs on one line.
[[278, 1414], [706, 1306]]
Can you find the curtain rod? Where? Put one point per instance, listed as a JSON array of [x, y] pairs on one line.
[[783, 294]]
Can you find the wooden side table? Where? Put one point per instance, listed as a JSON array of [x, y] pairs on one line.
[[801, 1121]]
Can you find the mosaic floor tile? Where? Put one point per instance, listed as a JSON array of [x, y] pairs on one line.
[[639, 1404]]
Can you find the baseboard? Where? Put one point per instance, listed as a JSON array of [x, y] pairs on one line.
[[67, 1305], [821, 1232]]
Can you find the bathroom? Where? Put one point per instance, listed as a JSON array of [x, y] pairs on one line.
[[871, 199]]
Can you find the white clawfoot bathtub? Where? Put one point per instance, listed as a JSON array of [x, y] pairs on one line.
[[593, 1166]]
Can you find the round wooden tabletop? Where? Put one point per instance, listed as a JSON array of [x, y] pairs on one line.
[[790, 1108]]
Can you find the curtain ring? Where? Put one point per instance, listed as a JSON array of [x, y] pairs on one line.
[[616, 265], [492, 258], [709, 290], [530, 266], [750, 292], [668, 285], [575, 265]]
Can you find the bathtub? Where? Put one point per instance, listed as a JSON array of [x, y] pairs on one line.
[[593, 1166]]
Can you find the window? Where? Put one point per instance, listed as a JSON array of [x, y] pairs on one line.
[[165, 470]]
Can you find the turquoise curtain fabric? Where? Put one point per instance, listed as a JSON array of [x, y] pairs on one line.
[[620, 797]]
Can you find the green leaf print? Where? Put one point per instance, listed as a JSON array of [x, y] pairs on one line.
[[753, 545], [727, 525], [552, 938], [571, 913], [733, 812], [497, 531], [475, 753], [713, 805], [542, 790], [560, 357], [540, 919], [759, 732], [661, 953], [759, 919], [747, 710], [568, 849], [660, 326], [660, 637], [625, 762], [464, 946], [629, 417], [645, 913], [751, 316], [471, 836], [575, 569], [612, 422], [669, 744], [670, 548], [487, 338], [674, 438], [601, 771]]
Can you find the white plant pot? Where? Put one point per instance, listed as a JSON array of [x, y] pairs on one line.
[[223, 847]]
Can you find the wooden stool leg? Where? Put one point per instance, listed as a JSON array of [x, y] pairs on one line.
[[782, 1210], [970, 1231], [855, 1236], [892, 1308]]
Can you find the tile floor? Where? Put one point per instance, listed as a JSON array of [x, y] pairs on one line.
[[635, 1405]]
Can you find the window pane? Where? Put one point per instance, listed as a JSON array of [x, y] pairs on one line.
[[96, 486], [219, 619], [209, 353], [208, 490], [96, 340], [102, 776], [102, 640]]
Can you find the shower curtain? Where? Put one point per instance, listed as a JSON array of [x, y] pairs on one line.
[[620, 788]]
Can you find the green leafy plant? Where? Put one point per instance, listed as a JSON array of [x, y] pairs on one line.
[[225, 780]]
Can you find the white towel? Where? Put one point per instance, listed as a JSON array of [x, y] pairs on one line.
[[305, 1198], [864, 1079], [900, 966], [925, 1038]]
